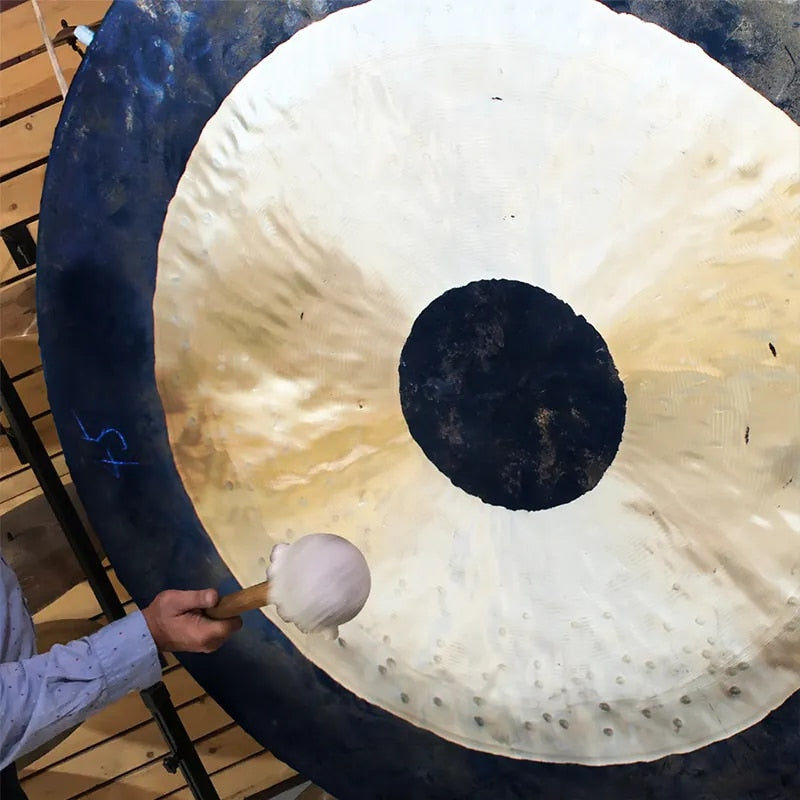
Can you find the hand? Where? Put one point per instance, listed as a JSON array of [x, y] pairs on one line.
[[177, 623]]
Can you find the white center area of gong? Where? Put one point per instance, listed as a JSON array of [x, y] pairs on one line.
[[396, 150]]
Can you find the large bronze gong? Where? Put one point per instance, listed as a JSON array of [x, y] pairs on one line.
[[507, 296]]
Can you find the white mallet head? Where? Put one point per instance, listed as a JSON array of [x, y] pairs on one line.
[[318, 583]]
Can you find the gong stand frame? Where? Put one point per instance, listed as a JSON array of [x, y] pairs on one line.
[[29, 447]]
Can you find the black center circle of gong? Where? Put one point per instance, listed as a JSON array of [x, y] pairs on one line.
[[155, 74], [510, 394]]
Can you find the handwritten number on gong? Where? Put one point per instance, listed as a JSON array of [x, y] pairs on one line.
[[113, 444]]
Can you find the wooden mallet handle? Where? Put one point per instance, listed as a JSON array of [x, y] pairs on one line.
[[232, 605]]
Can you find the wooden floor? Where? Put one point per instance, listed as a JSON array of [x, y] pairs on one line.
[[116, 755]]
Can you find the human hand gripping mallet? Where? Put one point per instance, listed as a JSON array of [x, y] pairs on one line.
[[318, 583]]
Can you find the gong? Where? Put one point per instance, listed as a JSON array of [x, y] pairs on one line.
[[183, 431]]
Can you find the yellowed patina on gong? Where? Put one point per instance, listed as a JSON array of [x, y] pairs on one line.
[[363, 169]]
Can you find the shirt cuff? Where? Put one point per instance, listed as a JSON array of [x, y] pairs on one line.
[[128, 656]]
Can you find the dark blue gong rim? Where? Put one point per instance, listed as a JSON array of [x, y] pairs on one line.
[[153, 77]]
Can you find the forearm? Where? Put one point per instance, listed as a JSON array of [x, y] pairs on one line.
[[43, 696]]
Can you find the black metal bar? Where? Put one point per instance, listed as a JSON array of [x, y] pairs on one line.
[[183, 754]]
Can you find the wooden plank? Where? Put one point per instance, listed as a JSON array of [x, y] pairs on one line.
[[8, 4], [33, 393], [20, 197], [32, 82], [241, 780], [24, 497], [20, 32], [122, 716], [46, 428], [19, 342], [8, 267], [79, 602], [116, 756], [18, 308], [35, 547], [16, 485], [28, 138], [170, 659], [218, 751]]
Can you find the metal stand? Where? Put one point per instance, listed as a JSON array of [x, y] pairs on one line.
[[27, 443]]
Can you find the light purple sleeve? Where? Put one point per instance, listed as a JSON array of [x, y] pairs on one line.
[[45, 695]]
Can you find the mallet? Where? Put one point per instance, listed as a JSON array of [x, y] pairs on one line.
[[318, 583]]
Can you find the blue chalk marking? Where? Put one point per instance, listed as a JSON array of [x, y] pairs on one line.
[[109, 460], [103, 433], [115, 465]]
